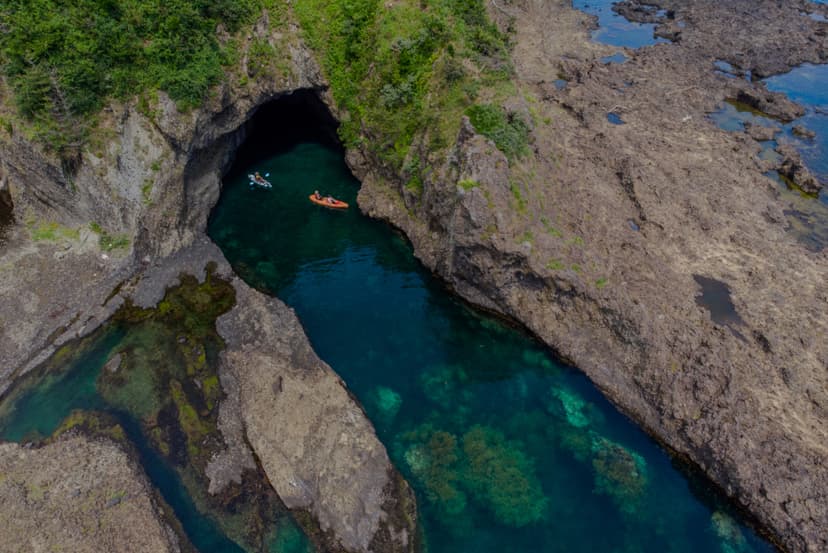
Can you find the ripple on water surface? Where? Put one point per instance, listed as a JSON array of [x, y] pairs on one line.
[[507, 449]]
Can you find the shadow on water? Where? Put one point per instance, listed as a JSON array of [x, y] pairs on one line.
[[507, 449], [715, 297]]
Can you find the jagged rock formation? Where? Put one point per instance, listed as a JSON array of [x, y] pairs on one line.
[[316, 445]]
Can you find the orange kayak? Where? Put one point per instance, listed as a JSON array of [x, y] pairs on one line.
[[336, 204]]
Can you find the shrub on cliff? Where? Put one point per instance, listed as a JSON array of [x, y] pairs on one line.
[[64, 58], [403, 73]]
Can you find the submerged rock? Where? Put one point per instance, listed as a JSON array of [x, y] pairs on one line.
[[794, 170], [804, 132], [760, 132], [79, 494]]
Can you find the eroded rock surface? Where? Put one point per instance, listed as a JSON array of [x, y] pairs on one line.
[[81, 495], [593, 241], [313, 440], [151, 184]]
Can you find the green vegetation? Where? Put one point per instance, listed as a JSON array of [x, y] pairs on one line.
[[520, 200], [108, 242], [485, 467], [64, 59], [527, 236], [468, 184], [404, 73], [50, 232], [555, 265], [90, 423], [601, 282], [509, 132], [146, 192], [552, 231]]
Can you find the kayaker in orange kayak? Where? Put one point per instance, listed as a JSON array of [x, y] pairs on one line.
[[327, 201]]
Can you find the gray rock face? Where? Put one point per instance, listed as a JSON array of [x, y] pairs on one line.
[[316, 445], [79, 495], [747, 401], [154, 183]]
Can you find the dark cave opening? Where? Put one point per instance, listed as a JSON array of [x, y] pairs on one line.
[[277, 126]]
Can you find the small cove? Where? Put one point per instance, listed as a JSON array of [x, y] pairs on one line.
[[507, 449]]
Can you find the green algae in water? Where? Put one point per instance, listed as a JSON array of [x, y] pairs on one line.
[[164, 394], [506, 449]]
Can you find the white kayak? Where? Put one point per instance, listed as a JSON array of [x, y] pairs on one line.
[[259, 182]]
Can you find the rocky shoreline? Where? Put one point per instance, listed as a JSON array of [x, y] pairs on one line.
[[592, 241], [53, 236]]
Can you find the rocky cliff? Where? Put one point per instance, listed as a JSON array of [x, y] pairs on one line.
[[123, 224], [605, 241]]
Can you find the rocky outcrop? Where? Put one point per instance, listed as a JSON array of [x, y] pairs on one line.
[[287, 412], [313, 440], [150, 178], [153, 183], [594, 239], [792, 168], [78, 494]]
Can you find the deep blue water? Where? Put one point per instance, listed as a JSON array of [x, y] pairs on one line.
[[507, 449]]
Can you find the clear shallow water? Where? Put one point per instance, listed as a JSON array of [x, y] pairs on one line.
[[616, 30], [506, 449], [807, 85], [45, 400]]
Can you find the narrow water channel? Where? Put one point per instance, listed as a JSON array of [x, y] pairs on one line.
[[507, 449], [74, 382]]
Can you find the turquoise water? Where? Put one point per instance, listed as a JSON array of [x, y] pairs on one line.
[[616, 30], [507, 449], [39, 410]]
